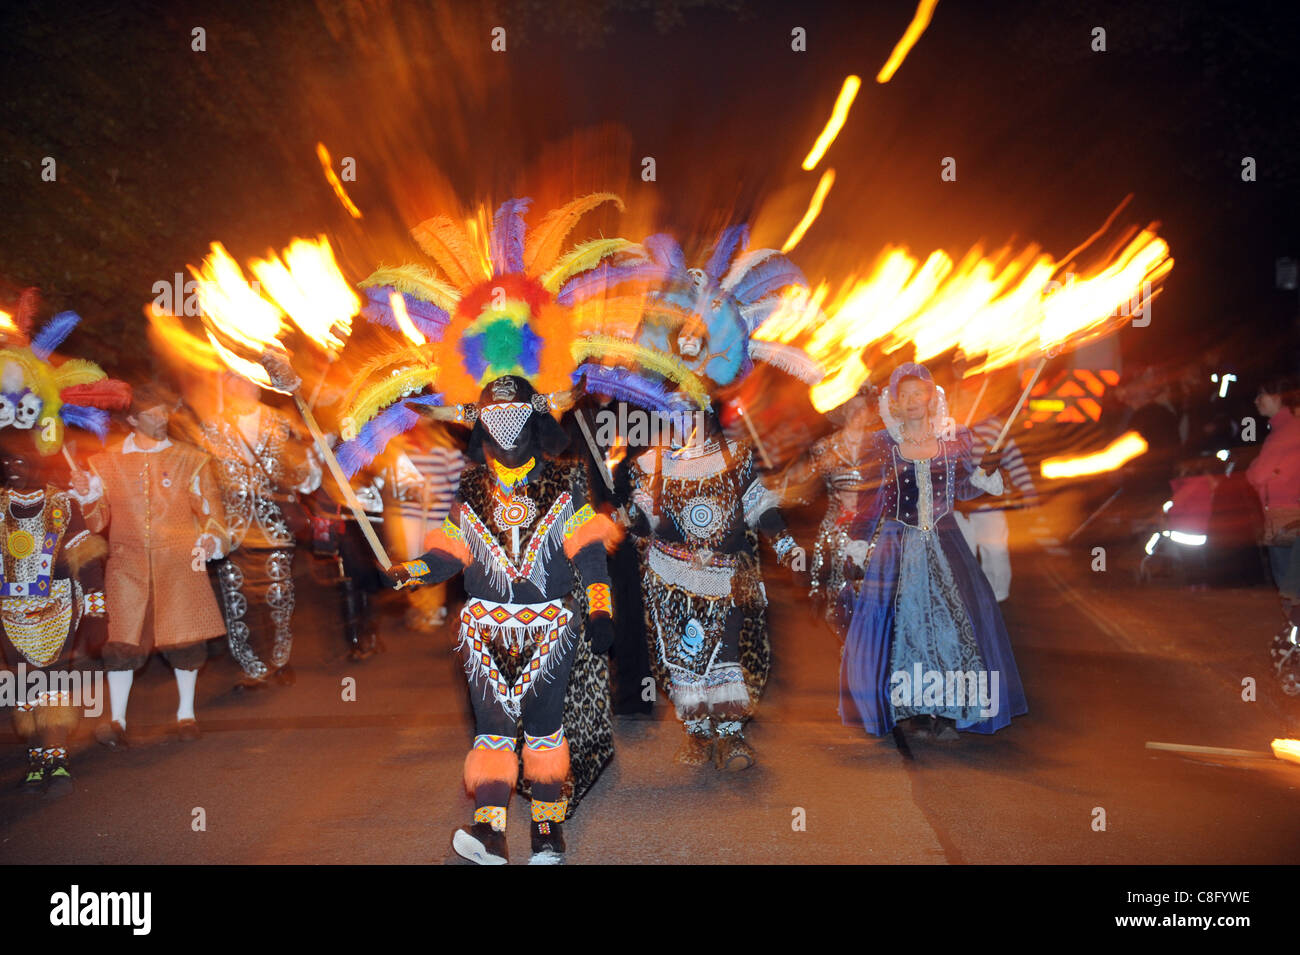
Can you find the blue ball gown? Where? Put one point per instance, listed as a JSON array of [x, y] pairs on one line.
[[926, 635]]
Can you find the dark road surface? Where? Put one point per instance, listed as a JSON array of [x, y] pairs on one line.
[[298, 775]]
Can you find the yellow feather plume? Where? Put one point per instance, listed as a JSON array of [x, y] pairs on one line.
[[584, 257], [543, 244], [417, 281], [383, 393], [669, 366], [447, 244], [77, 371]]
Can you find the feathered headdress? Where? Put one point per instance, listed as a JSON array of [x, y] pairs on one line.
[[516, 304], [721, 305], [39, 396]]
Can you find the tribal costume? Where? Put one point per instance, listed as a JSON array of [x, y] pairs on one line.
[[700, 505], [926, 638], [51, 575], [504, 327], [255, 463], [161, 507]]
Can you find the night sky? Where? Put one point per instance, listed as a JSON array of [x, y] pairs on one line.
[[161, 149]]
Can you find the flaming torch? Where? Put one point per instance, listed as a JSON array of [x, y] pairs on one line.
[[307, 286]]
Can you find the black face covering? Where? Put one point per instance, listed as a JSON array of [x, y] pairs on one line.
[[501, 406]]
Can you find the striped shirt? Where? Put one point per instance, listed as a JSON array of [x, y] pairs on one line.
[[429, 478], [983, 434]]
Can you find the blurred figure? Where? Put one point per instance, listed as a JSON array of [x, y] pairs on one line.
[[160, 503], [983, 521], [50, 581], [844, 463], [1275, 476], [262, 467], [423, 478]]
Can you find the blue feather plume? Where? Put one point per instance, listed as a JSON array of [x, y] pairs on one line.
[[603, 277], [732, 240], [665, 250], [624, 385], [371, 440], [770, 275], [52, 335], [507, 240], [94, 420]]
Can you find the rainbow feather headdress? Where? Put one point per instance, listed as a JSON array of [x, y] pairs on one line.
[[39, 396], [518, 303]]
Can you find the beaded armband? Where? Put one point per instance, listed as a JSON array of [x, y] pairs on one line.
[[598, 599], [783, 545], [416, 569], [94, 604]]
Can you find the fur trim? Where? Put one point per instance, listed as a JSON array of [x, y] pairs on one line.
[[547, 765], [491, 766], [85, 552], [57, 717], [599, 528]]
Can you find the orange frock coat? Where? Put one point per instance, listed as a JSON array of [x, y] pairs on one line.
[[154, 517]]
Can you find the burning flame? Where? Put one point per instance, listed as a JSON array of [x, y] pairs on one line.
[[616, 453], [1115, 455], [814, 210], [398, 304], [7, 323], [309, 287], [999, 310], [332, 178], [1288, 749], [833, 125], [920, 20], [231, 305]]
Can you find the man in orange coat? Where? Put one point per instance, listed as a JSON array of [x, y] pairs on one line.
[[161, 504]]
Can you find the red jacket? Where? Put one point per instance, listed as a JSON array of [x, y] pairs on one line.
[[1275, 474]]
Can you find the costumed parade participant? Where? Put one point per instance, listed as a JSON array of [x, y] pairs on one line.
[[522, 529], [51, 576], [842, 462], [159, 503], [926, 642], [262, 466], [699, 504]]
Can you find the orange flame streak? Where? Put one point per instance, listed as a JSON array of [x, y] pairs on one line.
[[332, 178], [1115, 455], [309, 287], [814, 210], [999, 310], [920, 20], [170, 335], [833, 125], [1288, 749], [233, 307], [398, 304], [616, 453]]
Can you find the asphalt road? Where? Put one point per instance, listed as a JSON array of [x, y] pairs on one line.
[[300, 775]]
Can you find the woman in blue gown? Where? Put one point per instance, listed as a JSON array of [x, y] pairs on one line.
[[926, 641]]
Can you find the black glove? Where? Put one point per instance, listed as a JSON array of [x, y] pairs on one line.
[[395, 576], [600, 633], [991, 461]]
